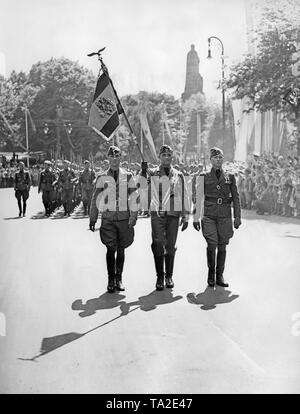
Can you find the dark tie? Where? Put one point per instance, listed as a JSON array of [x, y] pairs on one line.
[[167, 171], [115, 175], [218, 173]]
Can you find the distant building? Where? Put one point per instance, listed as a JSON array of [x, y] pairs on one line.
[[193, 80]]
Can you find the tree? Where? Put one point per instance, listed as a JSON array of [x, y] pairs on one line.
[[267, 77], [65, 93]]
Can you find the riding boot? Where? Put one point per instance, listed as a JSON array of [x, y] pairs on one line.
[[221, 256], [119, 269], [65, 208], [20, 208], [110, 263], [169, 264], [211, 263], [24, 209], [159, 267]]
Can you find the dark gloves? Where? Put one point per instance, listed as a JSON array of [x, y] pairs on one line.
[[92, 226], [237, 222], [132, 221], [184, 224], [196, 225]]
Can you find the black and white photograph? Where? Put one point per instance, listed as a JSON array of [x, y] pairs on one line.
[[149, 199]]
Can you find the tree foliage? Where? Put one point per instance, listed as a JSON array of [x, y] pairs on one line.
[[267, 76]]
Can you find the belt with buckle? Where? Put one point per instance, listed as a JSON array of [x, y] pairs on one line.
[[218, 200]]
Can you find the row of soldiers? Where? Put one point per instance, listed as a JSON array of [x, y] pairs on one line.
[[61, 187], [218, 188], [117, 223]]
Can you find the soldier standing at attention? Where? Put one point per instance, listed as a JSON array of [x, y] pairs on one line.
[[220, 191], [112, 196], [22, 187], [46, 180], [168, 202], [66, 180], [86, 180]]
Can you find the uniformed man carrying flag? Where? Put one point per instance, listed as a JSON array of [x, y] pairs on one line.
[[111, 195]]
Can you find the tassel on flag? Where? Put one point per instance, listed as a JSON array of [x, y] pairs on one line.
[[105, 109]]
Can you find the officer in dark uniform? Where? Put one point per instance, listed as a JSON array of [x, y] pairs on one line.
[[66, 180], [22, 187], [111, 195], [86, 180], [46, 180], [165, 213], [220, 191]]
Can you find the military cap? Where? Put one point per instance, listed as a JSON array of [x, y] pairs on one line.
[[48, 162], [67, 162], [113, 150], [215, 151], [21, 163], [165, 149], [86, 162]]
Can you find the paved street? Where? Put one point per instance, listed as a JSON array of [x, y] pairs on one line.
[[65, 334]]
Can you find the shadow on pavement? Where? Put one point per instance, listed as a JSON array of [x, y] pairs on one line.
[[105, 301], [211, 297], [151, 301], [12, 218]]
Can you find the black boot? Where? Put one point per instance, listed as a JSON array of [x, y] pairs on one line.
[[110, 263], [159, 267], [119, 284], [24, 210], [169, 263], [221, 256], [211, 263], [111, 284], [119, 269]]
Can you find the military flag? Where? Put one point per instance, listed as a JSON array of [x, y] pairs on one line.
[[105, 109]]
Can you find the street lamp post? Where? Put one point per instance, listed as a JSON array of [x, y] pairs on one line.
[[223, 77]]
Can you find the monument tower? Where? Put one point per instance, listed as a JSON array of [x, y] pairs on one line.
[[193, 80]]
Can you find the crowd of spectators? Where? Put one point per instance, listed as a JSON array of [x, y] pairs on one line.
[[269, 184]]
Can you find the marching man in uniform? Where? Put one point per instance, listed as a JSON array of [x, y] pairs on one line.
[[86, 181], [66, 180], [168, 196], [111, 195], [46, 180], [220, 191], [22, 187]]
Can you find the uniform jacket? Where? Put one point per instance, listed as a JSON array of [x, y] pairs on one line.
[[114, 201], [46, 180], [159, 202], [86, 179], [65, 179], [219, 194], [22, 180]]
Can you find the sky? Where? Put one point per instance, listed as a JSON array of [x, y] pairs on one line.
[[146, 41]]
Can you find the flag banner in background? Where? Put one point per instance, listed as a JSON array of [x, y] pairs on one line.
[[105, 109], [147, 134]]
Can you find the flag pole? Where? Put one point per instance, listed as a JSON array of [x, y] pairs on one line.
[[119, 104]]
